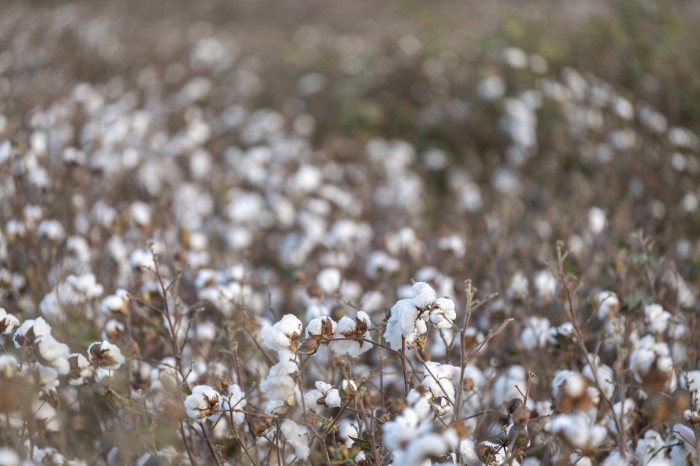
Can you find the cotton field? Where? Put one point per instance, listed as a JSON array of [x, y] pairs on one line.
[[389, 247]]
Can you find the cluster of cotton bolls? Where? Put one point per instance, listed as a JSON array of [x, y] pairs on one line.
[[187, 277]]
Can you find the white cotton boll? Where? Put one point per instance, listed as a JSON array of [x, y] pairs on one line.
[[608, 304], [684, 451], [519, 286], [380, 264], [568, 383], [206, 331], [333, 398], [306, 180], [105, 355], [202, 403], [372, 301], [623, 411], [52, 230], [576, 430], [348, 328], [80, 369], [8, 457], [545, 284], [8, 366], [423, 295], [421, 449], [347, 429], [296, 436], [504, 385], [53, 352], [280, 384], [8, 322], [401, 324], [467, 453], [235, 400], [316, 325], [606, 378], [649, 449], [402, 430], [656, 318], [46, 413], [597, 220], [314, 399], [491, 88], [47, 377], [443, 313], [534, 335], [141, 213], [280, 336], [329, 280], [515, 57]]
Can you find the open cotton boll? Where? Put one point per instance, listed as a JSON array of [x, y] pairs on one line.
[[202, 403], [282, 336], [576, 430], [351, 334], [8, 322], [324, 395], [105, 355], [443, 313], [425, 447], [606, 378], [656, 318], [684, 450], [650, 449], [607, 304], [504, 385], [596, 220], [234, 401], [651, 363], [402, 324], [401, 430], [329, 280], [624, 411], [545, 284], [9, 457], [280, 385], [534, 334], [423, 295], [296, 436]]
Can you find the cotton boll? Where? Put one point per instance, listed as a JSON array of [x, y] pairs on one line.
[[402, 323], [519, 286], [351, 334], [105, 355], [423, 295], [202, 403], [597, 220], [8, 322], [504, 385], [607, 305], [606, 378], [282, 336], [296, 436], [234, 401], [8, 457], [329, 280], [656, 318], [545, 284], [534, 334], [577, 431]]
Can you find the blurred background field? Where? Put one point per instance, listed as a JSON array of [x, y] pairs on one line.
[[465, 138]]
